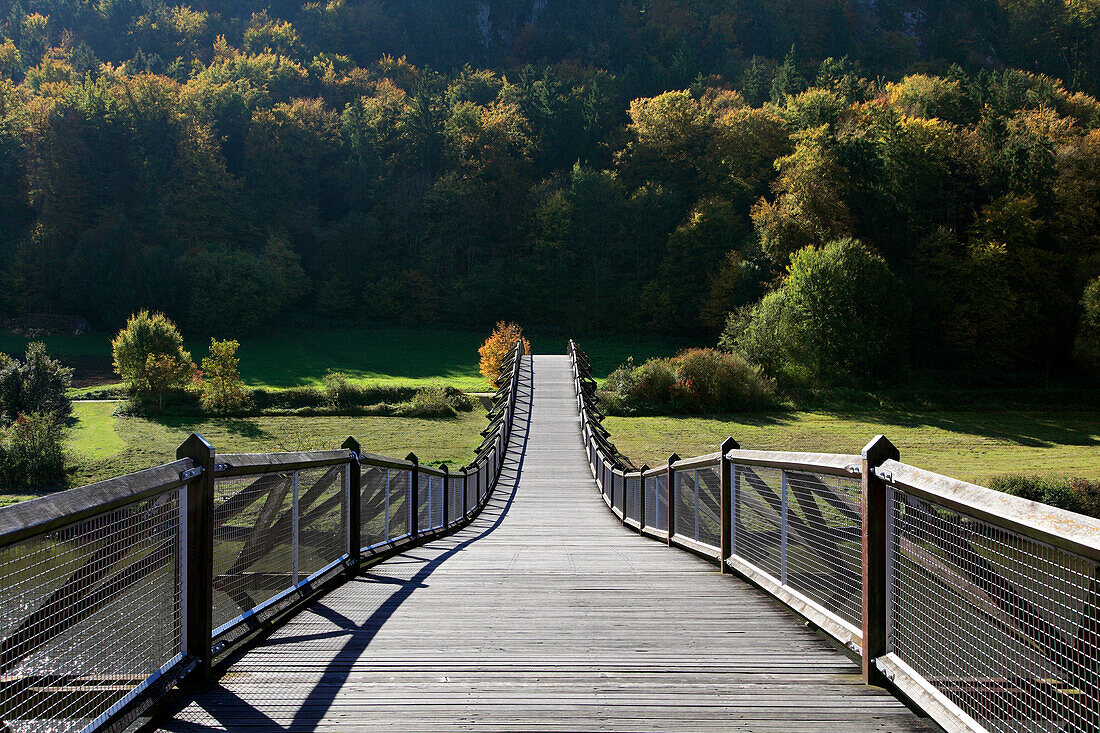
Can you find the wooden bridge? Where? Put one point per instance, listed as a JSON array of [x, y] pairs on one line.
[[546, 602]]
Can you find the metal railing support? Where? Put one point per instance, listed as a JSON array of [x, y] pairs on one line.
[[875, 518], [726, 502], [355, 504], [641, 496], [198, 584]]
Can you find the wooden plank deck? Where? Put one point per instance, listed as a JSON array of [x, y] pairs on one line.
[[544, 613]]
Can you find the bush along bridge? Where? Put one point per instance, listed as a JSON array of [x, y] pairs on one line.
[[344, 590]]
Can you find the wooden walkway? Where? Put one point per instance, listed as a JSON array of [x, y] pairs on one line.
[[544, 614]]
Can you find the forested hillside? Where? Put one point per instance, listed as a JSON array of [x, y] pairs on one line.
[[633, 166]]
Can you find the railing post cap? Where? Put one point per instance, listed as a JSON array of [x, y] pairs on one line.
[[351, 444], [412, 457], [673, 458], [194, 445], [443, 467], [878, 450], [729, 444]]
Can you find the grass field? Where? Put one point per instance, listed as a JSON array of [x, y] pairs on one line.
[[973, 446], [103, 446], [380, 354]]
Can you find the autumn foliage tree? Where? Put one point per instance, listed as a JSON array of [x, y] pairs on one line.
[[497, 347]]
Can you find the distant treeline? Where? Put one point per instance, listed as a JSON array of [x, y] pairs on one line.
[[463, 162]]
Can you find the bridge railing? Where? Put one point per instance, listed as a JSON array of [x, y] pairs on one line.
[[982, 608], [112, 593]]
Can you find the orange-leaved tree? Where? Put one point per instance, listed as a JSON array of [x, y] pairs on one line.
[[497, 347]]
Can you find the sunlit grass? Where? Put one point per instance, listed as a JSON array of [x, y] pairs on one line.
[[973, 446]]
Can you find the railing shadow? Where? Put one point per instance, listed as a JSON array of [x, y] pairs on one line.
[[228, 709]]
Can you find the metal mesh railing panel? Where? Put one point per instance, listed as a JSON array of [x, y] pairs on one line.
[[374, 506], [708, 507], [824, 557], [1006, 627], [400, 502], [455, 494], [253, 542], [660, 516], [685, 503], [620, 493], [697, 511], [437, 502], [322, 518], [69, 598], [757, 522], [649, 498], [633, 496], [425, 516]]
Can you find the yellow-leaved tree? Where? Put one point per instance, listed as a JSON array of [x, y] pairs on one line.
[[497, 347]]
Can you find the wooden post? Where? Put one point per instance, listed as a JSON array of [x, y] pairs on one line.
[[641, 496], [671, 497], [726, 500], [355, 504], [875, 517], [199, 582], [446, 495], [414, 504]]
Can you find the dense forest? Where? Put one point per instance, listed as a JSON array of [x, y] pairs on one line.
[[635, 166]]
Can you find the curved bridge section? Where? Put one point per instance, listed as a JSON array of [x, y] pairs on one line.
[[543, 613]]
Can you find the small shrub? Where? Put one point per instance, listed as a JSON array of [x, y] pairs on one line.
[[149, 356], [653, 380], [720, 381], [497, 347], [621, 381], [31, 453], [1072, 494], [437, 400], [222, 388], [339, 390], [37, 384]]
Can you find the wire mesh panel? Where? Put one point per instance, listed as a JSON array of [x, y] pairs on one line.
[[374, 505], [471, 492], [649, 498], [632, 496], [322, 518], [686, 496], [620, 493], [69, 599], [708, 512], [253, 542], [454, 494], [1007, 627], [824, 552], [437, 501], [400, 493], [424, 506], [660, 513], [757, 521]]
